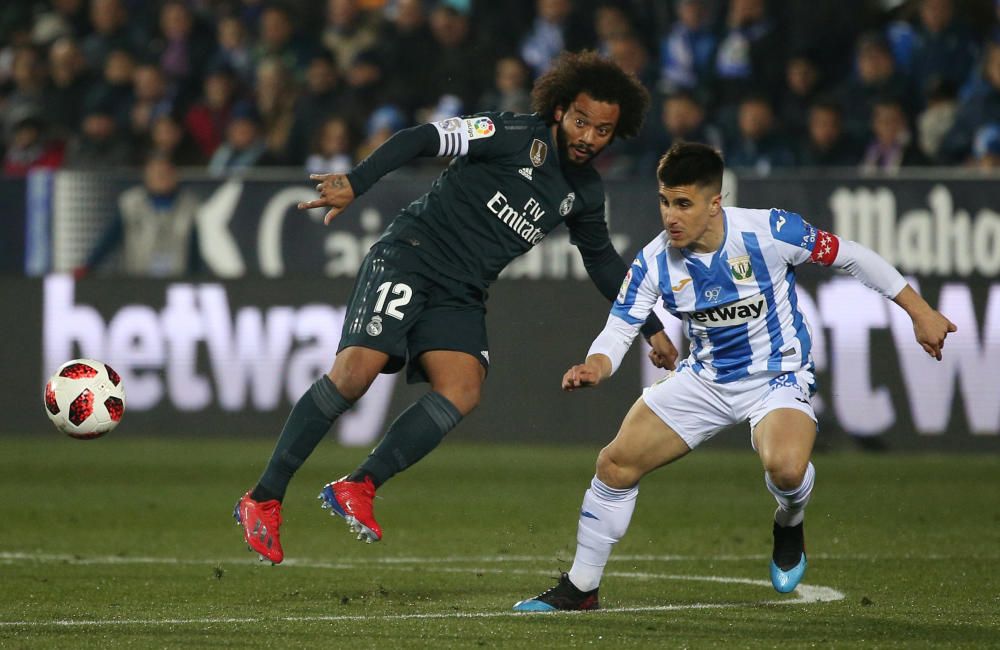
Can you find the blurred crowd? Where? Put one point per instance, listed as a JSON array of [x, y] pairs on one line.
[[233, 84]]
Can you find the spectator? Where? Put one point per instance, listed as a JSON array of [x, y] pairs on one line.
[[385, 121], [348, 31], [332, 154], [611, 21], [937, 47], [275, 95], [986, 147], [30, 148], [234, 51], [244, 146], [758, 146], [180, 49], [892, 146], [69, 83], [510, 88], [750, 54], [277, 40], [101, 142], [149, 98], [64, 18], [877, 77], [980, 108], [168, 139], [155, 227], [112, 31], [681, 119], [687, 52], [456, 70], [825, 143], [322, 97], [206, 120], [28, 94], [684, 120], [633, 57], [802, 82], [934, 122], [408, 52], [546, 38], [115, 88]]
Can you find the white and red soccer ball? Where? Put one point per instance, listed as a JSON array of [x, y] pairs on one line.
[[85, 398]]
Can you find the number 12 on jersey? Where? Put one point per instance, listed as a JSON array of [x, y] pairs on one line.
[[392, 309]]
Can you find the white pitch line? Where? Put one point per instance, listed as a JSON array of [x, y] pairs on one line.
[[10, 557], [804, 594]]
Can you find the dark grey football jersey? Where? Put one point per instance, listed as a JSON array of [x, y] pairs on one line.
[[505, 190]]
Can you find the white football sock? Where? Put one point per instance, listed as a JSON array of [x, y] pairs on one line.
[[604, 518], [792, 503]]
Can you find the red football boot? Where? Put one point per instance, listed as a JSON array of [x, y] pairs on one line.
[[353, 501], [260, 521]]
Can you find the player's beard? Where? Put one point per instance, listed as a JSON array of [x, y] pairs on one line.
[[562, 141]]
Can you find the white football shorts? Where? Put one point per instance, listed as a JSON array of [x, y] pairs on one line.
[[697, 409]]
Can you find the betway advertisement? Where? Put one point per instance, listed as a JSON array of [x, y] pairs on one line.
[[231, 357]]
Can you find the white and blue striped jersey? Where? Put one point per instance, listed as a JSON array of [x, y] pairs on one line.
[[738, 304]]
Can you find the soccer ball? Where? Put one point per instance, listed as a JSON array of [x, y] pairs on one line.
[[85, 399]]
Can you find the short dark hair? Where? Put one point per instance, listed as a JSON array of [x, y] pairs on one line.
[[690, 163], [588, 72]]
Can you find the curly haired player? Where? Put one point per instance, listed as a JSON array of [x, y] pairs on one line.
[[420, 295]]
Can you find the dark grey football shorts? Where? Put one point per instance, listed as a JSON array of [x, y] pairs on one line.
[[401, 306]]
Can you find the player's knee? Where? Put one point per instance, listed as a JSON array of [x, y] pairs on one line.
[[614, 472], [464, 395], [351, 377], [787, 475]]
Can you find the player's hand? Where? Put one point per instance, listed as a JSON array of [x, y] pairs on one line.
[[663, 354], [931, 328], [581, 376], [335, 192]]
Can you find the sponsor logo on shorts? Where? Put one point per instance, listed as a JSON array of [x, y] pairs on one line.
[[374, 326], [735, 313], [486, 355]]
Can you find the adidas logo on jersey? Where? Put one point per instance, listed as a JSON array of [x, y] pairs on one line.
[[526, 172]]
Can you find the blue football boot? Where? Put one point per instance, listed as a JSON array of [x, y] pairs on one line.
[[788, 560], [564, 596]]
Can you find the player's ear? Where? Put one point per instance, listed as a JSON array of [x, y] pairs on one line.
[[558, 113], [715, 205]]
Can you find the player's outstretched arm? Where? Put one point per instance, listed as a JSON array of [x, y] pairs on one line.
[[930, 327], [335, 192], [595, 369]]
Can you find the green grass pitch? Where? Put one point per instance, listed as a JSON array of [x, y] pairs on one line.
[[126, 542]]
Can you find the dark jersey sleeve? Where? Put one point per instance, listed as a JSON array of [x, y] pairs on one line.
[[395, 152], [478, 136], [589, 233]]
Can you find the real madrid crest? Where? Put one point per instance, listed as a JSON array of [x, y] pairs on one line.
[[374, 326], [567, 204], [538, 151]]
